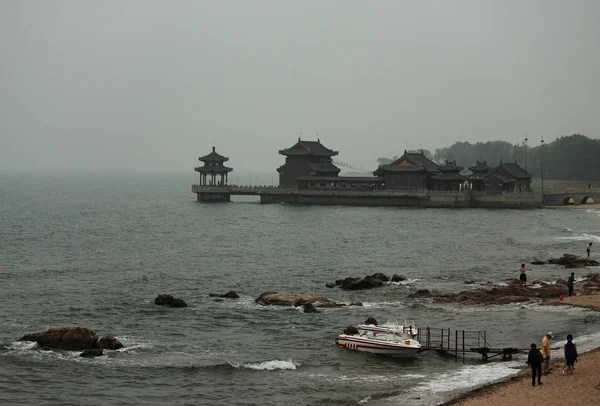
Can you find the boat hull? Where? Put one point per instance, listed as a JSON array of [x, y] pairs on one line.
[[399, 349]]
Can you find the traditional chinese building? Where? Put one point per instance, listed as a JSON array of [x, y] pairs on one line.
[[508, 177], [477, 178], [213, 172], [448, 177], [306, 159], [411, 170]]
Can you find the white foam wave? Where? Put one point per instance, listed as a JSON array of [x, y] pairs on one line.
[[383, 304], [469, 376], [131, 343], [271, 365], [580, 237]]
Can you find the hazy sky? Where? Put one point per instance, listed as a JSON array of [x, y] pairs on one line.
[[150, 85]]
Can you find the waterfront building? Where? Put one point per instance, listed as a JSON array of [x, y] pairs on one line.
[[508, 177], [212, 169], [411, 170], [449, 178], [477, 178], [306, 159]]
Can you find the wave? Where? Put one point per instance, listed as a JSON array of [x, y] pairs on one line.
[[580, 237], [270, 365]]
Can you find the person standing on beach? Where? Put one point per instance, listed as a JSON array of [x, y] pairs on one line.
[[546, 352], [570, 283], [570, 354], [534, 360], [588, 249]]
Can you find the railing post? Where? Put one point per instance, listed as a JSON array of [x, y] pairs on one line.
[[455, 345], [463, 343], [448, 338], [442, 343]]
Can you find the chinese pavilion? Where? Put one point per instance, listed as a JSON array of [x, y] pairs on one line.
[[306, 158], [449, 177], [213, 168], [507, 177], [477, 178], [411, 170]]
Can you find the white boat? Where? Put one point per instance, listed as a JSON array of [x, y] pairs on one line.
[[390, 343], [406, 328]]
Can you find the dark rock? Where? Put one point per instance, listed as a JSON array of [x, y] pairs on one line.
[[94, 352], [271, 298], [232, 294], [570, 260], [218, 300], [309, 308], [422, 293], [72, 338], [355, 304], [3, 348], [109, 343], [513, 293], [399, 278], [338, 282], [368, 282], [330, 285], [561, 282], [537, 262], [169, 301], [380, 276]]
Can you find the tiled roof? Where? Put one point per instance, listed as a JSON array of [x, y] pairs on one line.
[[308, 148], [213, 156], [213, 168], [418, 162], [480, 167], [450, 166], [516, 170], [341, 178], [324, 168]]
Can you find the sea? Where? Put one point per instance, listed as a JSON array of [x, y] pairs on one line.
[[95, 250]]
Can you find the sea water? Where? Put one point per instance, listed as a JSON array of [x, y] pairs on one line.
[[96, 249]]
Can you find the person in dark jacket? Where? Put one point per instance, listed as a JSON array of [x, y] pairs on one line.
[[534, 360], [570, 283], [570, 354]]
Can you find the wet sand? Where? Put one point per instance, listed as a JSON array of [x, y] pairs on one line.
[[582, 388]]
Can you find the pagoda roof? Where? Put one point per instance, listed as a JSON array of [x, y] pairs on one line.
[[409, 162], [480, 167], [448, 176], [513, 169], [324, 167], [308, 148], [450, 166], [213, 169], [213, 157]]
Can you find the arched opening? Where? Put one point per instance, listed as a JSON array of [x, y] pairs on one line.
[[568, 200], [587, 200]]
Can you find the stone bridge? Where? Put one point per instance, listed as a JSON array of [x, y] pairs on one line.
[[575, 196]]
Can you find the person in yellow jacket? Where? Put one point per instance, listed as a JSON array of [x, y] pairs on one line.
[[546, 352]]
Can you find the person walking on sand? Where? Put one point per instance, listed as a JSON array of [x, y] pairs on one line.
[[534, 360], [588, 249], [570, 354], [523, 276], [546, 352], [570, 283], [565, 365]]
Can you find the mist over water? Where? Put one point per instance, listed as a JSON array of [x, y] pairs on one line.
[[95, 250]]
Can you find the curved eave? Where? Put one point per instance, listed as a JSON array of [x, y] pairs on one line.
[[213, 169]]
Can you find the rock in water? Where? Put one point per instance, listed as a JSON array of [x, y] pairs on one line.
[[293, 299], [232, 294], [72, 338], [309, 308], [169, 301], [109, 343], [94, 352]]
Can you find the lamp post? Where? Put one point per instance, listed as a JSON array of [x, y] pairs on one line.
[[525, 152], [542, 169]]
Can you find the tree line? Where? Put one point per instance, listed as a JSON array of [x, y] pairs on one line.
[[572, 157]]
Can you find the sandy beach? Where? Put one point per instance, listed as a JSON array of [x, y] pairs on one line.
[[583, 387]]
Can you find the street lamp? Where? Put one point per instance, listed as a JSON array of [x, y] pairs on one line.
[[542, 168], [525, 152]]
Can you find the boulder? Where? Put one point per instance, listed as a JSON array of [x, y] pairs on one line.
[[3, 348], [537, 262], [382, 277], [338, 282], [561, 282], [330, 285], [108, 343], [399, 278], [368, 282], [422, 293], [355, 304], [309, 308], [271, 298], [169, 301], [72, 338], [232, 294], [94, 352], [573, 261], [499, 295]]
